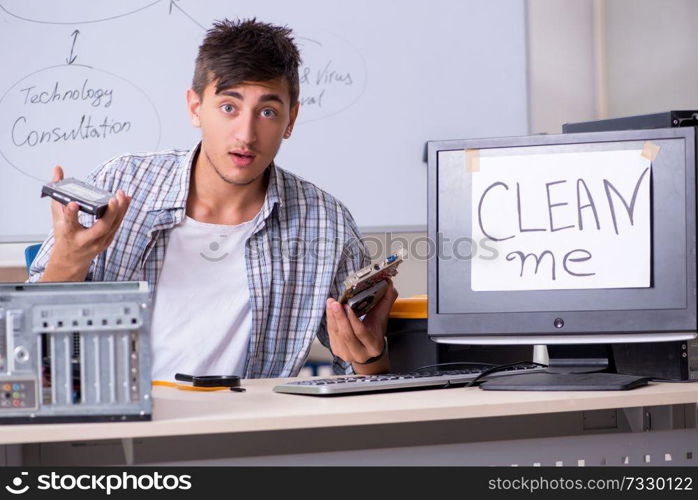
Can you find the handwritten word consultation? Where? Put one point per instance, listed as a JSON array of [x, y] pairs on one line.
[[23, 135]]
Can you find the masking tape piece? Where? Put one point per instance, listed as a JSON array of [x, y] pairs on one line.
[[186, 387], [163, 383], [650, 150], [472, 160]]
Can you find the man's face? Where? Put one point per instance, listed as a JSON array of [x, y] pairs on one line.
[[242, 127]]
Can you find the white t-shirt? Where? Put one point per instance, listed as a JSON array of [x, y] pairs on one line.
[[202, 319]]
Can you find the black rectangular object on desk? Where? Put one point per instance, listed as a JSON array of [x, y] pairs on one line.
[[411, 348], [666, 119], [659, 360], [545, 381]]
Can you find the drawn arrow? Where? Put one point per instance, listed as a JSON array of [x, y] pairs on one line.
[[173, 3], [71, 58]]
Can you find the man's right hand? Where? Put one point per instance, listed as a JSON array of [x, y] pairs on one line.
[[75, 245]]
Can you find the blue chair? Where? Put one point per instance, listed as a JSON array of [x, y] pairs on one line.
[[30, 254], [315, 366]]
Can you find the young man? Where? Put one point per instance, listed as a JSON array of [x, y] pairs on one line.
[[244, 258]]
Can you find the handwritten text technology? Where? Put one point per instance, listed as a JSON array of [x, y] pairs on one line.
[[563, 221]]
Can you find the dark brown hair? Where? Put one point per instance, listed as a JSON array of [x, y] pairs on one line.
[[246, 51]]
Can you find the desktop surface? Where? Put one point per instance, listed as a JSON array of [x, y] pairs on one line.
[[179, 413]]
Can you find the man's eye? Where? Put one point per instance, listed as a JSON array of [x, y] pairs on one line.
[[268, 113], [227, 108]]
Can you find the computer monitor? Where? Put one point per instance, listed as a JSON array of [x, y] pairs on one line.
[[572, 239]]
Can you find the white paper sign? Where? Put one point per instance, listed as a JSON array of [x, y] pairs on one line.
[[563, 221]]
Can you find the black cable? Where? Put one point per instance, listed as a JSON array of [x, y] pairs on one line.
[[472, 363], [499, 368]]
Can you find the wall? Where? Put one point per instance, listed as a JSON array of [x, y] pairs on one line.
[[652, 56], [12, 267], [561, 64], [590, 59]]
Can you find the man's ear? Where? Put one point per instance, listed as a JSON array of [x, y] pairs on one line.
[[292, 121], [193, 106]]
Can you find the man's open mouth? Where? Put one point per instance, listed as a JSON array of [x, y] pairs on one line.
[[242, 158]]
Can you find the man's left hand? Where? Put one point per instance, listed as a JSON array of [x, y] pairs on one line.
[[356, 341]]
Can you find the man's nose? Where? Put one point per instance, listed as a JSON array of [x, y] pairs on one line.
[[246, 130]]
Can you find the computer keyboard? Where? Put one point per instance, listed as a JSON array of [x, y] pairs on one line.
[[354, 384]]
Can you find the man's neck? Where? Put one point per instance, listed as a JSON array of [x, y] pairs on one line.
[[215, 201]]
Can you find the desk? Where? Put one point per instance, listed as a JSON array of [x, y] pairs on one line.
[[446, 426]]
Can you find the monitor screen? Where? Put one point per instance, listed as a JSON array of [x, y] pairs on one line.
[[573, 238]]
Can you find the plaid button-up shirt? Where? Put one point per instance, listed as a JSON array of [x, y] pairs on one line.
[[303, 246]]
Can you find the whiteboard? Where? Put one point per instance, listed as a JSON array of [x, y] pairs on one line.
[[378, 80]]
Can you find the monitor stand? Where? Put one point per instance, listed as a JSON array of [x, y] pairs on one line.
[[571, 368]]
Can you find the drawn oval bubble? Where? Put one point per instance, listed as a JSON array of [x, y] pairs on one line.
[[64, 11], [75, 116], [332, 76]]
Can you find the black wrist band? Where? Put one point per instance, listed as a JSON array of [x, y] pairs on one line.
[[376, 358]]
